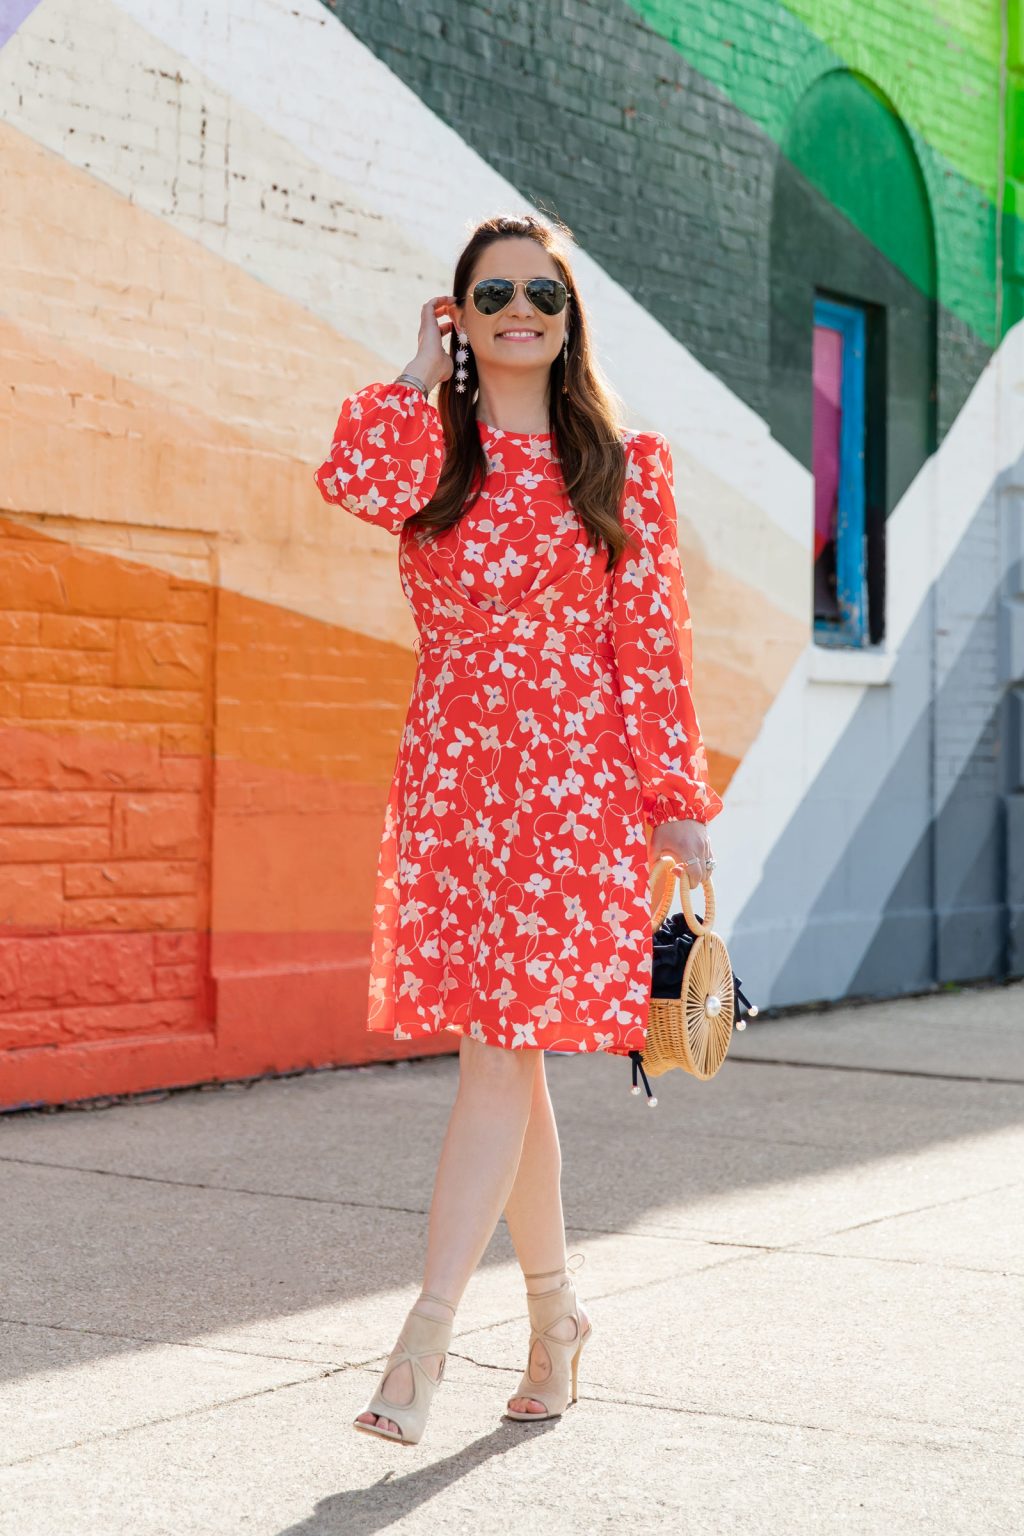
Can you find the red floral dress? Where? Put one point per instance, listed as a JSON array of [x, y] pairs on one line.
[[551, 716]]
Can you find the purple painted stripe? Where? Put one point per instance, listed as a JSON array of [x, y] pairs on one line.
[[12, 14]]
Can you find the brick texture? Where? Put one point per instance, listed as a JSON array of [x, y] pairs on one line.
[[104, 795]]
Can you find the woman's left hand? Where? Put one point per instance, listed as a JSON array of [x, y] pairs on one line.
[[688, 843]]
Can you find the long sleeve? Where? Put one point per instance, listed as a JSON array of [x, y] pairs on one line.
[[653, 639], [387, 455]]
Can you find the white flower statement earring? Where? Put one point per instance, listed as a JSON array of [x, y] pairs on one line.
[[462, 358]]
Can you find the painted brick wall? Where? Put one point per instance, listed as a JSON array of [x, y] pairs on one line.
[[203, 670], [660, 174], [104, 796]]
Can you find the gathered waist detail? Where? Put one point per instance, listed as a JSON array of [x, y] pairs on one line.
[[566, 641]]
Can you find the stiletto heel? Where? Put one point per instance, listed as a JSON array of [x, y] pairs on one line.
[[547, 1309], [576, 1366], [422, 1336]]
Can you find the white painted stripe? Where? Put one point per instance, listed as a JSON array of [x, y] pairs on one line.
[[146, 123], [268, 134], [809, 721], [295, 66]]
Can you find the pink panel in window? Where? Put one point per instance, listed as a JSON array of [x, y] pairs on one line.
[[827, 421]]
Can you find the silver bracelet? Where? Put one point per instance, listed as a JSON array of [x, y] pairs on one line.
[[410, 378]]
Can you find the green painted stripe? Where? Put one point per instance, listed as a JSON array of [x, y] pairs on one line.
[[751, 51], [760, 54]]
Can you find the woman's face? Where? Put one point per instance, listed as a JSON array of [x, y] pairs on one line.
[[488, 338]]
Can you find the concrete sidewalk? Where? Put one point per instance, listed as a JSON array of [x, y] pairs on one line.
[[805, 1279]]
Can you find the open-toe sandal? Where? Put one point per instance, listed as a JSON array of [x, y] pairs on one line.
[[421, 1337], [547, 1310]]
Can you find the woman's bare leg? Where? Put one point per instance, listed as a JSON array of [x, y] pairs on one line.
[[477, 1167], [533, 1213], [533, 1209]]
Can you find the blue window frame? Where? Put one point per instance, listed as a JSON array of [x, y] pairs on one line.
[[840, 607]]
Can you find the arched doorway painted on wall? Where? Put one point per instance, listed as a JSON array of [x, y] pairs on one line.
[[852, 233]]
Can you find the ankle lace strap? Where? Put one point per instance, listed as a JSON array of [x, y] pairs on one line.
[[433, 1296], [567, 1268]]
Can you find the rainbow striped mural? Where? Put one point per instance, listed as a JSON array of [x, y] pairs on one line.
[[220, 220]]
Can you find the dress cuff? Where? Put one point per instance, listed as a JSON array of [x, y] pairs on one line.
[[666, 809]]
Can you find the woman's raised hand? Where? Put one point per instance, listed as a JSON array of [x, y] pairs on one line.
[[432, 363]]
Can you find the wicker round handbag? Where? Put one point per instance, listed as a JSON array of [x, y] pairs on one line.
[[693, 1027]]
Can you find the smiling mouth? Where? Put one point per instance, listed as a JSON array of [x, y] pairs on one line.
[[518, 336]]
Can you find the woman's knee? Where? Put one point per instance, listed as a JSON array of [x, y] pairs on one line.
[[494, 1067]]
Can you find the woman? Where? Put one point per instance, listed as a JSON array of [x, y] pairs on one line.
[[550, 717]]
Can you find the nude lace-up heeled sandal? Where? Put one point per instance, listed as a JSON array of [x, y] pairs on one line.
[[421, 1337], [548, 1309]]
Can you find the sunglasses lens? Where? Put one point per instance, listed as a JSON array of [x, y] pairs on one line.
[[492, 294], [546, 294]]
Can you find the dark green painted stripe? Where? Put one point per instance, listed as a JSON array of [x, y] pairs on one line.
[[753, 51], [665, 183]]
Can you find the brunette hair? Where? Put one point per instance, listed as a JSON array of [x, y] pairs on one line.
[[584, 423]]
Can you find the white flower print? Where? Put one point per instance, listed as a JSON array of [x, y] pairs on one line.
[[556, 790], [614, 914], [618, 969], [596, 978], [409, 985], [459, 745], [529, 479], [490, 738], [602, 870], [581, 751], [512, 898], [617, 1010], [622, 872], [502, 663], [526, 922], [574, 825], [504, 996], [660, 681]]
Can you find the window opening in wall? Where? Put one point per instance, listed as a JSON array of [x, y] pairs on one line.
[[839, 462]]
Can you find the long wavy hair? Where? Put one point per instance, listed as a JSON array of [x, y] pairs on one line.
[[584, 422]]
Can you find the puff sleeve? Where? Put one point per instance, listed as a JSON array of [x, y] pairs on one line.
[[653, 640], [387, 454]]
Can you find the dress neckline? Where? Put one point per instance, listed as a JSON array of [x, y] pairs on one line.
[[513, 437]]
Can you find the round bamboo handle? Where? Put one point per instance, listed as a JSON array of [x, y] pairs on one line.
[[666, 865]]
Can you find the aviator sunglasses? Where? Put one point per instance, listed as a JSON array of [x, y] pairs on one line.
[[493, 294]]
